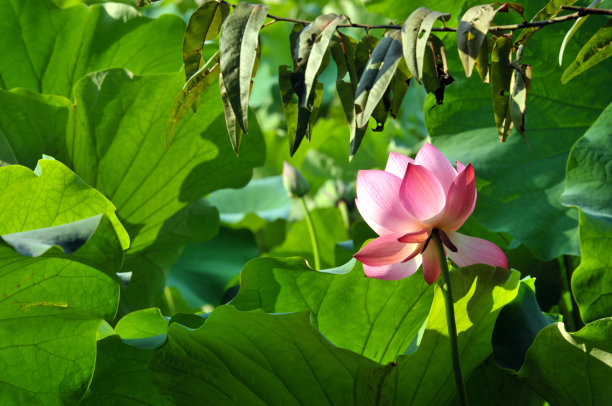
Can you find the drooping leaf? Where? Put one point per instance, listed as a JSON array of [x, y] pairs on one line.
[[204, 24], [231, 122], [577, 24], [597, 49], [53, 298], [550, 10], [299, 119], [398, 88], [517, 326], [122, 376], [471, 33], [435, 69], [524, 181], [190, 94], [377, 76], [415, 34], [382, 316], [48, 49], [571, 368], [592, 280], [521, 78], [157, 191], [238, 47], [587, 181], [501, 76], [311, 48], [482, 61]]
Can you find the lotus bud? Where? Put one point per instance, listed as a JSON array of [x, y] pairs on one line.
[[294, 182]]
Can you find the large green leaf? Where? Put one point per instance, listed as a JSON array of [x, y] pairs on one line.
[[523, 181], [238, 47], [592, 280], [571, 368], [53, 299], [119, 147], [382, 316], [587, 183], [48, 49], [122, 376], [31, 125], [258, 358], [401, 10]]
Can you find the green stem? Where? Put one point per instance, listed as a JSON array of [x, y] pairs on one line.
[[313, 235], [450, 318]]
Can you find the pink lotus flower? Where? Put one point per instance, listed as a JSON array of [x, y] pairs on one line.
[[406, 202]]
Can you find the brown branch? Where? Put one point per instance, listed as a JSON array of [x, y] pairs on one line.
[[580, 12]]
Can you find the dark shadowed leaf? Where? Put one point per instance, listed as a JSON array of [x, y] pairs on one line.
[[204, 24], [519, 85], [471, 33], [238, 46], [597, 49], [501, 75]]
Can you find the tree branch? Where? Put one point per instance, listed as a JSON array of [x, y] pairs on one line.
[[580, 12]]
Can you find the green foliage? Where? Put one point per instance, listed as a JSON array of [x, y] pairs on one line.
[[53, 300], [598, 48], [581, 375], [383, 317]]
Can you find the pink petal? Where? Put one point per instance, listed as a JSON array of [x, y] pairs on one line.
[[431, 262], [421, 193], [460, 200], [432, 159], [471, 250], [385, 250], [379, 205], [393, 271], [415, 236], [397, 163]]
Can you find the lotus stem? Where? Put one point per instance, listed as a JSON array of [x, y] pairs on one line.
[[313, 235], [450, 318]]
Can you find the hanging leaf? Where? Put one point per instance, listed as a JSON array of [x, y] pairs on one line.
[[310, 50], [501, 74], [415, 34], [399, 87], [435, 69], [238, 46], [233, 129], [377, 75], [482, 61], [190, 94], [300, 120], [519, 84], [577, 24], [471, 33], [203, 25], [550, 10], [596, 50]]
